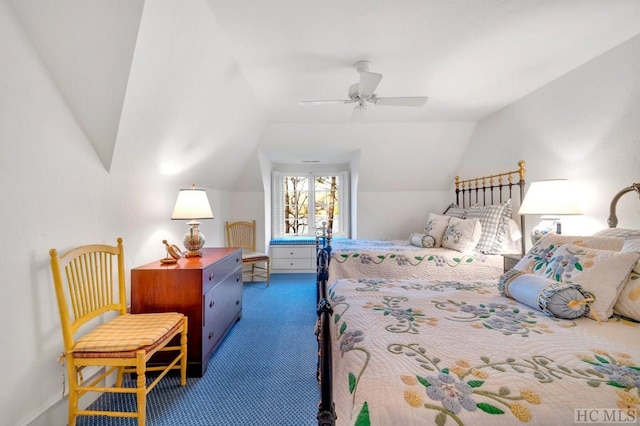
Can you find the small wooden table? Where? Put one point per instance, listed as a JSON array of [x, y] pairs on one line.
[[207, 289]]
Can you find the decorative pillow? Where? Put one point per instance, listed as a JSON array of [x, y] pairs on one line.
[[511, 241], [618, 232], [436, 225], [462, 234], [562, 300], [421, 240], [539, 255], [455, 211], [631, 244], [628, 303], [493, 226], [599, 272]]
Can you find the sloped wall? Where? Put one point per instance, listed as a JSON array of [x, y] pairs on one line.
[[584, 126]]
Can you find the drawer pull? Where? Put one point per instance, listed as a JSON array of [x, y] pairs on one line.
[[237, 302], [212, 303], [211, 276], [237, 259], [237, 279], [210, 335]]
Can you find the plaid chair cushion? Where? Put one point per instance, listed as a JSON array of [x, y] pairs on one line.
[[128, 332]]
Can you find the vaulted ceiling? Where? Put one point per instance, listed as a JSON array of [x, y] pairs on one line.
[[205, 85]]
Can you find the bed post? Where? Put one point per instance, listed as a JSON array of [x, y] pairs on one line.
[[326, 415], [612, 221], [521, 182]]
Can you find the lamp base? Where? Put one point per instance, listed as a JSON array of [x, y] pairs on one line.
[[193, 240], [547, 225]]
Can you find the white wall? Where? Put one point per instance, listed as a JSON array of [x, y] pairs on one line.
[[57, 193], [584, 126]]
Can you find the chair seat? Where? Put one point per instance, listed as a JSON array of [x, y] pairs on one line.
[[253, 256], [125, 334]]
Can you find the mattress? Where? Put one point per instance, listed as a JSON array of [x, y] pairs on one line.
[[399, 259], [408, 351]]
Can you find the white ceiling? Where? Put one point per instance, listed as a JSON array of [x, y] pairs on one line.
[[198, 88], [471, 57]]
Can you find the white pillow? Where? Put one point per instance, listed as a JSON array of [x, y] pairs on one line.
[[434, 230], [599, 272], [628, 303], [618, 232], [462, 234], [512, 239]]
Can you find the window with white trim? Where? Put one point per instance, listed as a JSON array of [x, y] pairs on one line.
[[303, 201]]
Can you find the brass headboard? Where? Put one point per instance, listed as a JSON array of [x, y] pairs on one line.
[[485, 189], [612, 221]]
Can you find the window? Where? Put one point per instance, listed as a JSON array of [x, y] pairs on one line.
[[303, 201]]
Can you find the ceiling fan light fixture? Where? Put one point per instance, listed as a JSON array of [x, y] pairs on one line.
[[362, 92]]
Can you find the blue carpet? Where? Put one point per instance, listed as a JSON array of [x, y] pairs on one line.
[[264, 373]]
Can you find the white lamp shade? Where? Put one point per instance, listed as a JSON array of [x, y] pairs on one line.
[[550, 197], [192, 204]]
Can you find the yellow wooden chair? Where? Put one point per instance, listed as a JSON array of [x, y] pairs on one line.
[[243, 234], [90, 282]]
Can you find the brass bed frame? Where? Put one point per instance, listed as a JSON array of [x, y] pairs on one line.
[[484, 190]]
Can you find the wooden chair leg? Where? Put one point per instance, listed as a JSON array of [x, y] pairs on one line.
[[141, 388], [183, 349], [72, 374]]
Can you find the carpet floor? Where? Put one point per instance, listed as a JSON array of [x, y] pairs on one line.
[[263, 373]]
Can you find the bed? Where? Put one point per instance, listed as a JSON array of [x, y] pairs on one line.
[[473, 352], [488, 200]]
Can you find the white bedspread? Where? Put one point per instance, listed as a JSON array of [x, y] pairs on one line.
[[416, 352], [399, 259]]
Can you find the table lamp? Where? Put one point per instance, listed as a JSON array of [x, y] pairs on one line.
[[192, 204], [550, 198]]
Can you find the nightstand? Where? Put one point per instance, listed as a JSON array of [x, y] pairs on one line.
[[511, 260]]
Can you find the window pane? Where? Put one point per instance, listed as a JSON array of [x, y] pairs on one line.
[[326, 201], [296, 199]]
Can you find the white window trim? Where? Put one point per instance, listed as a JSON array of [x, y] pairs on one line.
[[277, 207]]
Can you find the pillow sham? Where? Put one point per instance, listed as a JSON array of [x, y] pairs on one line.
[[462, 234], [436, 225], [493, 224], [618, 232], [455, 211], [628, 303], [599, 272], [538, 256], [562, 300], [511, 242]]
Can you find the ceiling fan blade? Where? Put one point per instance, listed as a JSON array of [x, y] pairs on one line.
[[322, 102], [402, 101], [368, 82]]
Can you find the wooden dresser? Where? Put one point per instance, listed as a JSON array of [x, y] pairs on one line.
[[207, 289]]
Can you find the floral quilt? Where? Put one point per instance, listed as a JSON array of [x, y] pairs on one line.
[[415, 352], [399, 259]]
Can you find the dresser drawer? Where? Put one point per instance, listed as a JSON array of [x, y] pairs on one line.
[[291, 263], [301, 252], [215, 274]]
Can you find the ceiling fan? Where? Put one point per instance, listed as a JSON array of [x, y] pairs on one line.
[[362, 92]]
